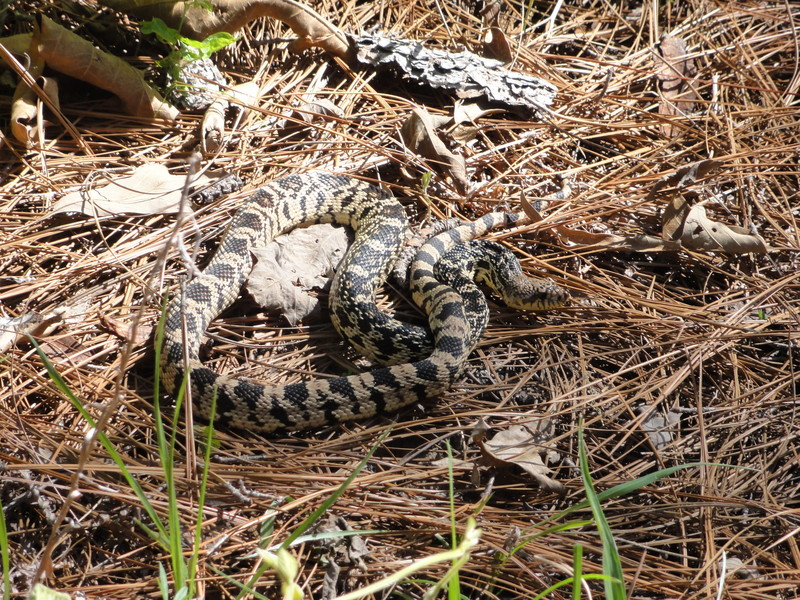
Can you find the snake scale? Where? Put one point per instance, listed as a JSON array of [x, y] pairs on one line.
[[380, 226]]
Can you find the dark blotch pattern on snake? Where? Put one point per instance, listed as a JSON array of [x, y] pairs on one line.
[[380, 226]]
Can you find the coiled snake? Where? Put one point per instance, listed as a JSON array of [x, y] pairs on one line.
[[380, 226]]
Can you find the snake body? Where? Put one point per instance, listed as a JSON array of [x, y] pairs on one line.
[[380, 226]]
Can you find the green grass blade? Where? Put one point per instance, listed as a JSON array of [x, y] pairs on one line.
[[201, 494], [454, 587], [315, 515], [568, 581], [59, 382], [166, 453], [5, 554], [322, 508], [612, 567], [577, 570], [163, 582], [623, 489]]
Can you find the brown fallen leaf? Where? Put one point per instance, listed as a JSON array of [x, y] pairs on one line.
[[151, 189], [736, 567], [495, 45], [683, 226], [70, 54], [523, 446], [292, 265], [490, 13], [660, 428], [674, 218], [419, 134], [18, 44], [127, 330], [683, 177], [464, 127], [319, 107], [639, 242], [212, 128], [703, 234], [14, 329], [676, 77], [690, 226], [24, 121], [26, 124]]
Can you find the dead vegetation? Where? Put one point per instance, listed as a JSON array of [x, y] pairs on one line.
[[669, 357]]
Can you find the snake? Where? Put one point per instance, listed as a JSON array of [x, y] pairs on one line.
[[417, 364]]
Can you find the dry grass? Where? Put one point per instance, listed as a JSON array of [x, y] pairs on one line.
[[712, 338]]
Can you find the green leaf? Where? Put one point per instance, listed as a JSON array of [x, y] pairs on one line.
[[217, 41], [187, 49], [162, 31], [41, 592]]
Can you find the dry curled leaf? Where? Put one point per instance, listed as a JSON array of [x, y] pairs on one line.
[[683, 226], [70, 54], [24, 111], [242, 95], [682, 177], [736, 567], [13, 329], [25, 124], [292, 265], [495, 45], [419, 134], [523, 446], [639, 242], [703, 234], [320, 107], [128, 330], [491, 12]]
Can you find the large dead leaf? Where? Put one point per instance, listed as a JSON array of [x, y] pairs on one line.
[[24, 122], [523, 446], [292, 265], [495, 45], [419, 134], [689, 225], [14, 329], [27, 118], [150, 190], [70, 54], [34, 324]]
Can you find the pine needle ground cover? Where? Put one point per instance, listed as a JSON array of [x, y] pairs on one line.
[[670, 354]]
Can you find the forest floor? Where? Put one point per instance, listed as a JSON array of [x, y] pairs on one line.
[[675, 128]]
